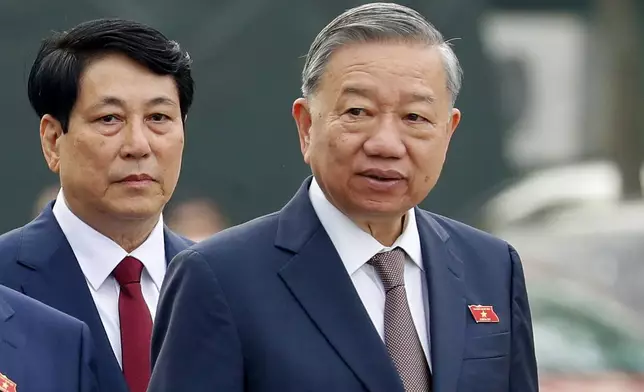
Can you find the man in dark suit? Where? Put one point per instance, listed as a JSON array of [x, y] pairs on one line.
[[352, 287], [112, 97], [42, 349]]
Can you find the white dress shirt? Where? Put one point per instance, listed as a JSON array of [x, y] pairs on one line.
[[356, 247], [98, 255]]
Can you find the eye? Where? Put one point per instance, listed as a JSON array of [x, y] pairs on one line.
[[413, 117], [109, 119], [356, 111], [159, 117]]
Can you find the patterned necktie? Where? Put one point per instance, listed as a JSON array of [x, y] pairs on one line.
[[401, 337], [136, 325]]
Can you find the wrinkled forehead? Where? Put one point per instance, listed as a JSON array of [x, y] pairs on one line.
[[387, 69]]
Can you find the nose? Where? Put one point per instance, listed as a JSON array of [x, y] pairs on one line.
[[136, 143], [385, 140]]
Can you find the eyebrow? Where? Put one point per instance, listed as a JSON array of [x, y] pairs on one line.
[[161, 101], [368, 93], [420, 97], [114, 101], [359, 91]]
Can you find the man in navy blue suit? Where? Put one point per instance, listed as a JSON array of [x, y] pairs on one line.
[[352, 287], [42, 349], [112, 97]]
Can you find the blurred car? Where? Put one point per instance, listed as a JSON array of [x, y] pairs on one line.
[[536, 194], [584, 341], [598, 244], [592, 383], [582, 249]]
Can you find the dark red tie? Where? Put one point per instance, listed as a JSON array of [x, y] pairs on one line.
[[136, 325]]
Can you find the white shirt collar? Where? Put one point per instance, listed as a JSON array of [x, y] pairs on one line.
[[354, 245], [98, 255]]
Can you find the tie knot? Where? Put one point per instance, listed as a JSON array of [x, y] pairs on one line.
[[128, 271], [391, 267]]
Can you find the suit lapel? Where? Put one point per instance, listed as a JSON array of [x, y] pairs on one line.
[[56, 279], [11, 342], [320, 283], [447, 306], [174, 244]]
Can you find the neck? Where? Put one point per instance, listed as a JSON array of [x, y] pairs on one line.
[[129, 234], [385, 231]]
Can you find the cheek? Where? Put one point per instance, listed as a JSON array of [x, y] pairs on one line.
[[170, 156], [343, 147], [334, 148], [173, 151], [428, 158], [85, 161]]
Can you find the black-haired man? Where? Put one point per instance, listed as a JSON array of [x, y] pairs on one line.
[[112, 97]]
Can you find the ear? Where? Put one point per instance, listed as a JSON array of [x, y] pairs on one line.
[[302, 116], [50, 136], [455, 119]]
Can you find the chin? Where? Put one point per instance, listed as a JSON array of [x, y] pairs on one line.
[[383, 207], [136, 210]]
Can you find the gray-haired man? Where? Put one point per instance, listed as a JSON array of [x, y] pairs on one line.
[[352, 287]]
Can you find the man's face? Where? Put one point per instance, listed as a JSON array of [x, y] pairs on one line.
[[122, 153], [377, 129]]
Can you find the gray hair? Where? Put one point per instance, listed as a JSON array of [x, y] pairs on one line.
[[372, 23]]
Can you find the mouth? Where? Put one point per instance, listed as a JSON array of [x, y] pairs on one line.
[[137, 178], [383, 175]]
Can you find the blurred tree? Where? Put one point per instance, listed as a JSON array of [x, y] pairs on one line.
[[621, 21]]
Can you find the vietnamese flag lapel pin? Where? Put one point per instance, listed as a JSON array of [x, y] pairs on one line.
[[483, 314], [6, 385]]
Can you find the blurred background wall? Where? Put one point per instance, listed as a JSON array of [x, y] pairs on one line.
[[548, 155]]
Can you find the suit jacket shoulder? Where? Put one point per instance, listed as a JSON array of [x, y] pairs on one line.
[[10, 245], [11, 274], [470, 242], [460, 230], [237, 242], [45, 349], [32, 312], [174, 243]]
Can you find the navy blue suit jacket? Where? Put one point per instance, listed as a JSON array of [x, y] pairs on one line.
[[269, 306], [42, 349], [37, 260]]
